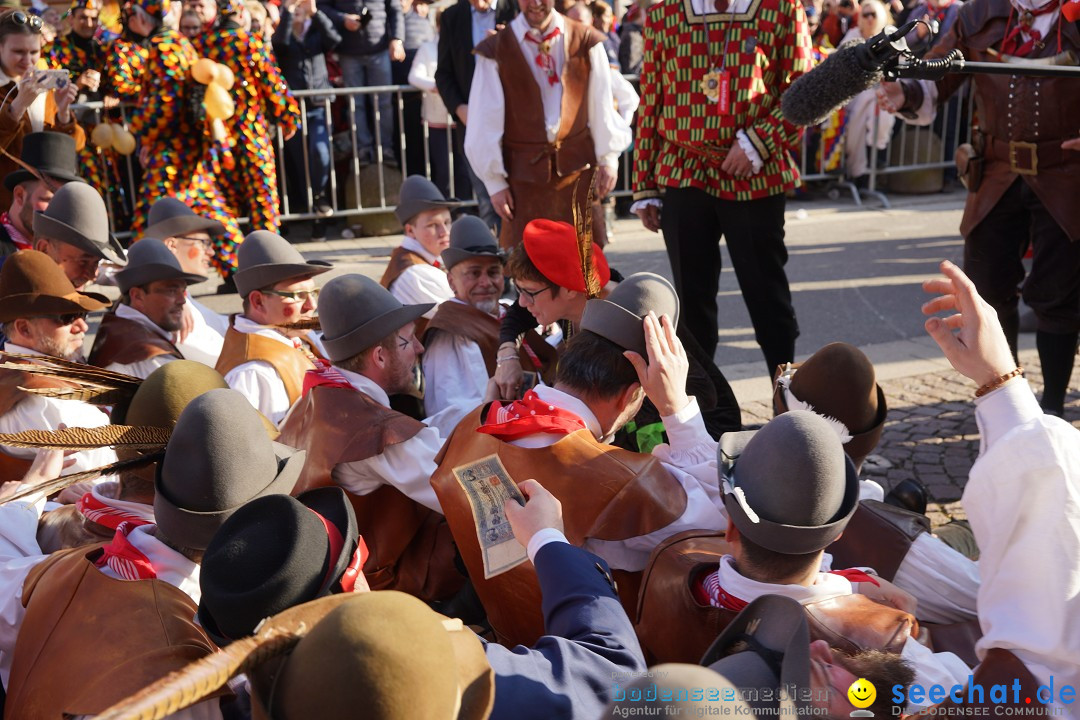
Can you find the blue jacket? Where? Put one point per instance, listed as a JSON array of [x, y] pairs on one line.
[[387, 22], [569, 672]]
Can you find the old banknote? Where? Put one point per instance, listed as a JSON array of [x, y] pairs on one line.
[[487, 485]]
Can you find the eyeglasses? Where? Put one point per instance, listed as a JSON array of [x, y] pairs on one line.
[[206, 243], [20, 18], [298, 296], [533, 293], [65, 319]]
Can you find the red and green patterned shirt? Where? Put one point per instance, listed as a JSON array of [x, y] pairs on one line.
[[682, 136]]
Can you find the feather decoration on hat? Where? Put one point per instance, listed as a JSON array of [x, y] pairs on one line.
[[313, 323], [795, 403], [48, 487], [129, 437], [86, 382], [583, 228]]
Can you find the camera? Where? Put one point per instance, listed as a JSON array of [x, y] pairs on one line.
[[365, 16]]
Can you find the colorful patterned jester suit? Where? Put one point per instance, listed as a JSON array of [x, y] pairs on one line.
[[178, 144], [127, 60], [260, 95]]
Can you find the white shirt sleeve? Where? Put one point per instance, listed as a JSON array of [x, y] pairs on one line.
[[931, 668], [142, 368], [260, 383], [691, 449], [37, 413], [419, 77], [205, 341], [945, 583], [610, 133], [625, 95], [484, 133], [454, 376], [422, 284], [407, 466]]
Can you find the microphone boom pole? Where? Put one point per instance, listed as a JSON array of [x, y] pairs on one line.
[[1022, 69]]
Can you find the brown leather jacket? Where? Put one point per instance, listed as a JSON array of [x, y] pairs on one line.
[[290, 364], [124, 341]]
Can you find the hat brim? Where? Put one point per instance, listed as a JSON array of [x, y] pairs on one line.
[[22, 175], [248, 280], [617, 324], [199, 527], [410, 209], [181, 225], [131, 277], [780, 537], [452, 256], [45, 226], [30, 305], [371, 332]]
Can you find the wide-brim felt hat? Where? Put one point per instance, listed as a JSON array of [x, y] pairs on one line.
[[219, 457], [77, 215], [385, 652], [272, 554], [620, 316], [356, 312], [417, 195], [265, 259], [33, 285], [746, 654], [150, 260], [552, 247], [170, 217], [470, 237], [794, 468], [50, 153]]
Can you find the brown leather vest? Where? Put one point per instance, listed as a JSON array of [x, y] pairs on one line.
[[400, 261], [483, 329], [88, 641], [290, 363], [673, 627], [525, 145], [1035, 110], [607, 494], [124, 341], [411, 547]]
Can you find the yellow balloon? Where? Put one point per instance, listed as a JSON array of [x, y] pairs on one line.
[[123, 141], [219, 105], [102, 136], [204, 71], [225, 77]]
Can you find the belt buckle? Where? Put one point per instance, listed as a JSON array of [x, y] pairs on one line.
[[1025, 150]]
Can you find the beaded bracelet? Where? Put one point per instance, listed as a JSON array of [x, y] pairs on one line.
[[998, 382], [508, 358]]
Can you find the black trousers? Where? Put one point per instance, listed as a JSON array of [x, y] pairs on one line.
[[693, 221]]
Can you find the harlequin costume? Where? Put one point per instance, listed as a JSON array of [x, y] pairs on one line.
[[1027, 189], [179, 154], [710, 81], [127, 59], [261, 98]]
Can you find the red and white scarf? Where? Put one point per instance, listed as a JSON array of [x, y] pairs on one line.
[[124, 559], [97, 510], [708, 589], [529, 416], [544, 59]]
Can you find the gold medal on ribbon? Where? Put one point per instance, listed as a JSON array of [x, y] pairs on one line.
[[710, 85]]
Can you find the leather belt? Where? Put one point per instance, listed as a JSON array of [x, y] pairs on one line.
[[1025, 158]]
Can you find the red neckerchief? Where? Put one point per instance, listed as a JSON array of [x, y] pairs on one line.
[[1014, 43], [94, 510], [125, 559], [544, 60], [855, 575], [1071, 10], [529, 416], [21, 243], [324, 375]]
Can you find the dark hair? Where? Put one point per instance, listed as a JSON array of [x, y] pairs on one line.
[[519, 266], [769, 566], [883, 670], [595, 366], [356, 363], [18, 22]]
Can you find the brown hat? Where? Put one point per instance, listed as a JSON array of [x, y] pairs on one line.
[[838, 383], [32, 285]]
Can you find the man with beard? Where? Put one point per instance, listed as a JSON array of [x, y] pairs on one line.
[[52, 156], [74, 231], [139, 336], [41, 313], [382, 458]]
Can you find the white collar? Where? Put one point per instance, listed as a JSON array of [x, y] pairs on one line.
[[250, 327], [411, 243], [11, 347], [571, 404], [129, 313], [827, 585], [520, 26], [169, 565], [366, 385]]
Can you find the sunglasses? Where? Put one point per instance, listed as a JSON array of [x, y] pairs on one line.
[[299, 296], [20, 18], [66, 319]]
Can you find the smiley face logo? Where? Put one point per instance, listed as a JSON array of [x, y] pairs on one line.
[[862, 693]]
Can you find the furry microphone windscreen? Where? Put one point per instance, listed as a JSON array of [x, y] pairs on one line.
[[814, 95]]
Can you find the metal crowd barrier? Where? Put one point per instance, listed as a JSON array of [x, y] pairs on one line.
[[354, 189]]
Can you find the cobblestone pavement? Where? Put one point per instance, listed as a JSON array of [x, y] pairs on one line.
[[930, 434]]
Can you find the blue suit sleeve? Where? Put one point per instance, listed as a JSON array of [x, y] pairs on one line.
[[569, 672]]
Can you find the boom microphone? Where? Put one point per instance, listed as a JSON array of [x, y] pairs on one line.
[[855, 67]]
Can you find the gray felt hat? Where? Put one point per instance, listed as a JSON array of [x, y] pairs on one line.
[[356, 312], [767, 647], [170, 217], [265, 258], [77, 215], [218, 458], [788, 487], [619, 317], [150, 260], [418, 194], [470, 237]]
